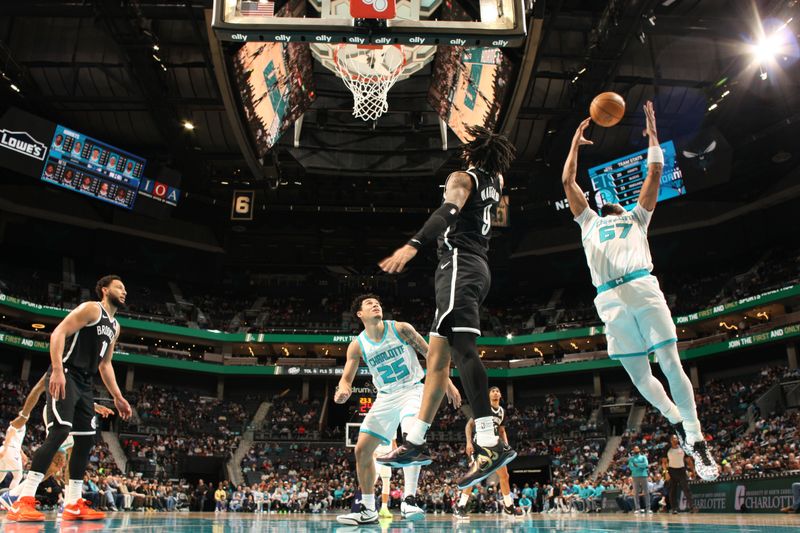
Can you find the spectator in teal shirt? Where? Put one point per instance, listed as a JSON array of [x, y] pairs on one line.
[[525, 504], [638, 465]]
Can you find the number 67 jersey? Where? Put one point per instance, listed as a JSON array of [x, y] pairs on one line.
[[615, 245], [391, 361]]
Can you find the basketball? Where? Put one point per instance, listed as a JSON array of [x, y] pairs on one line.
[[607, 109]]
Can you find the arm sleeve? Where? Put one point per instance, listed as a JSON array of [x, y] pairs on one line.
[[642, 215]]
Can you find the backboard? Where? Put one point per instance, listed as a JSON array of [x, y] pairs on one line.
[[498, 23]]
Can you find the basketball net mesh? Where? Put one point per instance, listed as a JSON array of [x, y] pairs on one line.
[[369, 73]]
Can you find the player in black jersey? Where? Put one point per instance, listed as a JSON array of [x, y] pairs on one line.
[[499, 419], [462, 227], [81, 346]]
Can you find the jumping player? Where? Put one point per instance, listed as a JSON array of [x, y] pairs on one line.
[[462, 226], [93, 333], [499, 416], [629, 300], [389, 350], [18, 428]]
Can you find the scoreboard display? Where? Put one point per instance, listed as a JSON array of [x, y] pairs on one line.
[[93, 168], [620, 181], [361, 401]]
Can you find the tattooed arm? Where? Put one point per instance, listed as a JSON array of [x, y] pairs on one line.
[[408, 334]]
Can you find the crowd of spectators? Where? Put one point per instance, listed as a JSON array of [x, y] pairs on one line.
[[248, 309], [770, 445], [171, 423]]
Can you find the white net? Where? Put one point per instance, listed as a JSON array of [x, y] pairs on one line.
[[369, 73]]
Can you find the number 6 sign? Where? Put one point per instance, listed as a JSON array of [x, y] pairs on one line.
[[242, 206]]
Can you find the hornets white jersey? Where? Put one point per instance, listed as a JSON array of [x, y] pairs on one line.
[[615, 245], [14, 438], [392, 362]]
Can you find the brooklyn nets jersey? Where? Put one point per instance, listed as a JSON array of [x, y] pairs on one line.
[[615, 245], [84, 350], [391, 361], [471, 232], [498, 417]]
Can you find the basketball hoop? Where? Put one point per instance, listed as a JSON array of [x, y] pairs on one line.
[[369, 72]]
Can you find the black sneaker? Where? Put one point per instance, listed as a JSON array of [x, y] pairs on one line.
[[510, 510], [366, 516], [407, 454], [487, 460], [461, 513], [681, 434]]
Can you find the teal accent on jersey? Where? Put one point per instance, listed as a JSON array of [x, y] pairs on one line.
[[636, 274], [392, 362], [372, 342], [394, 330]]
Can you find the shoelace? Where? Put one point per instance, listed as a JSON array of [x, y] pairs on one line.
[[702, 449]]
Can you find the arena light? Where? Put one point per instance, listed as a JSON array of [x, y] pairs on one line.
[[14, 88], [766, 49], [188, 125], [509, 336], [37, 326]]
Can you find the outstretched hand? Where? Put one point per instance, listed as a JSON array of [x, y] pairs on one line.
[[396, 262], [579, 139], [650, 125]]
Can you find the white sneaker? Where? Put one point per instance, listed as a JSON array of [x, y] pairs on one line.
[[704, 463], [366, 516], [410, 510]]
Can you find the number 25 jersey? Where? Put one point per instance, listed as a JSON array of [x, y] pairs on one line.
[[392, 362]]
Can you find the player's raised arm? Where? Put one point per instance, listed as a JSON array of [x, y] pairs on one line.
[[648, 196], [456, 193], [81, 316], [345, 387], [575, 196]]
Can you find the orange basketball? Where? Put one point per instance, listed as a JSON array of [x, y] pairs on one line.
[[607, 109]]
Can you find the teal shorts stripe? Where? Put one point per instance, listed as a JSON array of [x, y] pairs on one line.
[[373, 434], [661, 344], [650, 350]]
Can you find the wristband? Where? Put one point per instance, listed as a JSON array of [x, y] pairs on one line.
[[655, 155], [23, 415]]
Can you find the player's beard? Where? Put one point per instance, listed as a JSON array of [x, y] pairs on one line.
[[113, 300]]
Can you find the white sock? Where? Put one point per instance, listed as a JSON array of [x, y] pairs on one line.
[[508, 500], [74, 491], [462, 501], [485, 432], [30, 484], [410, 480], [417, 431], [368, 501], [16, 491], [384, 505]]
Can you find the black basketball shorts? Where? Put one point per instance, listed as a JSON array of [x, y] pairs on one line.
[[462, 282], [76, 409]]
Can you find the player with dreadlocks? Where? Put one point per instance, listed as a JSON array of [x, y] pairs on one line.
[[462, 228]]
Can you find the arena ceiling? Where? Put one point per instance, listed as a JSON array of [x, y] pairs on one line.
[[132, 72]]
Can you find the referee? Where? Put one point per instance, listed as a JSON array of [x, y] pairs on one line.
[[676, 462]]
